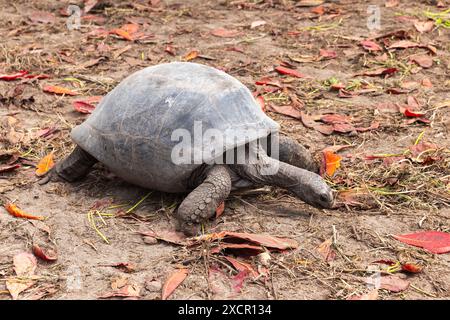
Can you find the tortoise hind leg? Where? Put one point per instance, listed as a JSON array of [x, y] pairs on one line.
[[293, 153], [76, 165], [201, 203]]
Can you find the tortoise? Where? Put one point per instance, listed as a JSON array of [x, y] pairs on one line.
[[133, 132]]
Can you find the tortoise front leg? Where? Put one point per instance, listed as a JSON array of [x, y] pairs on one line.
[[75, 166], [201, 203]]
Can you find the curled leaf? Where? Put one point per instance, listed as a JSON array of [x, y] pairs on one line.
[[16, 212], [46, 254]]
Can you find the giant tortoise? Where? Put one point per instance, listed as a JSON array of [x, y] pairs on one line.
[[137, 128]]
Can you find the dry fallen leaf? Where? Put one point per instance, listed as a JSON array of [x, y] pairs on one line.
[[191, 55], [174, 280], [220, 209], [434, 241], [326, 251], [24, 266], [224, 33], [45, 253], [45, 164], [16, 212], [331, 162], [59, 90]]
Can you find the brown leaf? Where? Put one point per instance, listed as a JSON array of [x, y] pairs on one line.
[[128, 291], [42, 17], [24, 264], [326, 251], [370, 45], [424, 26], [15, 286], [391, 3], [168, 236], [174, 280], [393, 283], [224, 33], [422, 60], [260, 239]]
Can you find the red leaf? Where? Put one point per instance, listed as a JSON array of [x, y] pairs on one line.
[[174, 280], [170, 49], [378, 72], [224, 33], [8, 168], [14, 76], [286, 110], [407, 112], [83, 107], [86, 106], [261, 102], [370, 45], [238, 280], [288, 71], [412, 268], [330, 54], [220, 209], [46, 254], [242, 266], [433, 241]]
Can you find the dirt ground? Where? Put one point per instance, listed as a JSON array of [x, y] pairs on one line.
[[395, 197]]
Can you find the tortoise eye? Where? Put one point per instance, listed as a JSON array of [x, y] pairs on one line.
[[324, 198]]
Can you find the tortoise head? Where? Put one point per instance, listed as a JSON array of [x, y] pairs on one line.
[[312, 189]]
